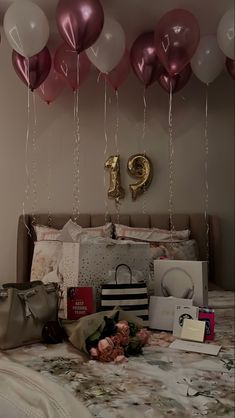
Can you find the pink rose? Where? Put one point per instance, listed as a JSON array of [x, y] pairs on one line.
[[118, 351], [94, 353], [143, 335], [105, 345], [124, 339], [120, 359], [123, 328], [105, 356], [116, 340]]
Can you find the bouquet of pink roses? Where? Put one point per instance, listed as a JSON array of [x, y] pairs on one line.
[[117, 341]]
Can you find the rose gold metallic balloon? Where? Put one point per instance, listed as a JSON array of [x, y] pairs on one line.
[[79, 22], [230, 65], [177, 36], [144, 60], [178, 81], [32, 71]]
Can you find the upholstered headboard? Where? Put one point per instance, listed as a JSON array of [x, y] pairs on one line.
[[195, 222]]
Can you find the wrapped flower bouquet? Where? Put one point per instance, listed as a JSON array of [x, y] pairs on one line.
[[108, 336]]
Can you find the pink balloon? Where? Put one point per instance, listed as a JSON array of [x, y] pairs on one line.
[[230, 65], [120, 73], [65, 63], [178, 81], [32, 71], [176, 38], [144, 60], [79, 22], [52, 87]]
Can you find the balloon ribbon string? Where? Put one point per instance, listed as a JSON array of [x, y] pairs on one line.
[[34, 162], [27, 187], [144, 120], [77, 138], [143, 141], [105, 146], [117, 201], [117, 121], [49, 183], [206, 138], [171, 163]]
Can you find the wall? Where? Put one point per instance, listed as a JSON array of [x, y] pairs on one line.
[[55, 137]]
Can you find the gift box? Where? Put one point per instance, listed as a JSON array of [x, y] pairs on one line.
[[80, 302], [208, 315], [162, 311], [182, 279]]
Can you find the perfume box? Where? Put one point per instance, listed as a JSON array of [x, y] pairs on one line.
[[208, 316]]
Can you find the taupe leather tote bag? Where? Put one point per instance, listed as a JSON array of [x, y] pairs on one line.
[[24, 309]]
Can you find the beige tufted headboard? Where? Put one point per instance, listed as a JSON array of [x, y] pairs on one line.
[[195, 222]]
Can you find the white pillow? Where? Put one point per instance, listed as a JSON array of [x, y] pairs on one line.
[[150, 234], [45, 263], [182, 250], [47, 266], [71, 232]]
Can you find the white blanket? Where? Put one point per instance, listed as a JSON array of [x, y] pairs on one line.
[[27, 394]]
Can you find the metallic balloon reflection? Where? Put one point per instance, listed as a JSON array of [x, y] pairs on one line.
[[116, 190], [139, 166]]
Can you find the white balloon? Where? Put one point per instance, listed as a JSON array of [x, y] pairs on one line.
[[26, 28], [109, 48], [225, 34], [208, 60]]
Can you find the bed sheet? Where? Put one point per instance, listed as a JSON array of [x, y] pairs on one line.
[[161, 383]]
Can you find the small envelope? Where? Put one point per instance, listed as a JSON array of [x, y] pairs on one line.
[[193, 330]]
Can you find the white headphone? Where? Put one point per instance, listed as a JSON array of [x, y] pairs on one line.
[[189, 291]]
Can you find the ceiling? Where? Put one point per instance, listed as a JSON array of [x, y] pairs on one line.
[[137, 16]]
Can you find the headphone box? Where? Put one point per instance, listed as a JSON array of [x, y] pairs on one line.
[[182, 279]]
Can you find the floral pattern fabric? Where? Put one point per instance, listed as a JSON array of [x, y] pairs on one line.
[[160, 383]]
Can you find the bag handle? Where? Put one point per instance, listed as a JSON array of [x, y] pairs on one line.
[[128, 268]]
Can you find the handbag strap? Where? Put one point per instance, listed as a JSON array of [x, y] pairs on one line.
[[128, 268], [22, 286]]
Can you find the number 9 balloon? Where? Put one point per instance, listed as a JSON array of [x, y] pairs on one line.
[[140, 167]]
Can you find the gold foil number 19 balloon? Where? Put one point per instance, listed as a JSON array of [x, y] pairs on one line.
[[116, 190], [140, 167]]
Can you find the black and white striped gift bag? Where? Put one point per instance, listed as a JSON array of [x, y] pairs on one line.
[[132, 297]]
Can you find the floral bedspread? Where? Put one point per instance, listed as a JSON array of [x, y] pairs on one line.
[[161, 383]]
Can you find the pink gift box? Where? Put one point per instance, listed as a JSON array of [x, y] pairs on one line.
[[208, 316]]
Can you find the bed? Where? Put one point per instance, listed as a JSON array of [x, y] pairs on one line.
[[160, 383], [195, 222]]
